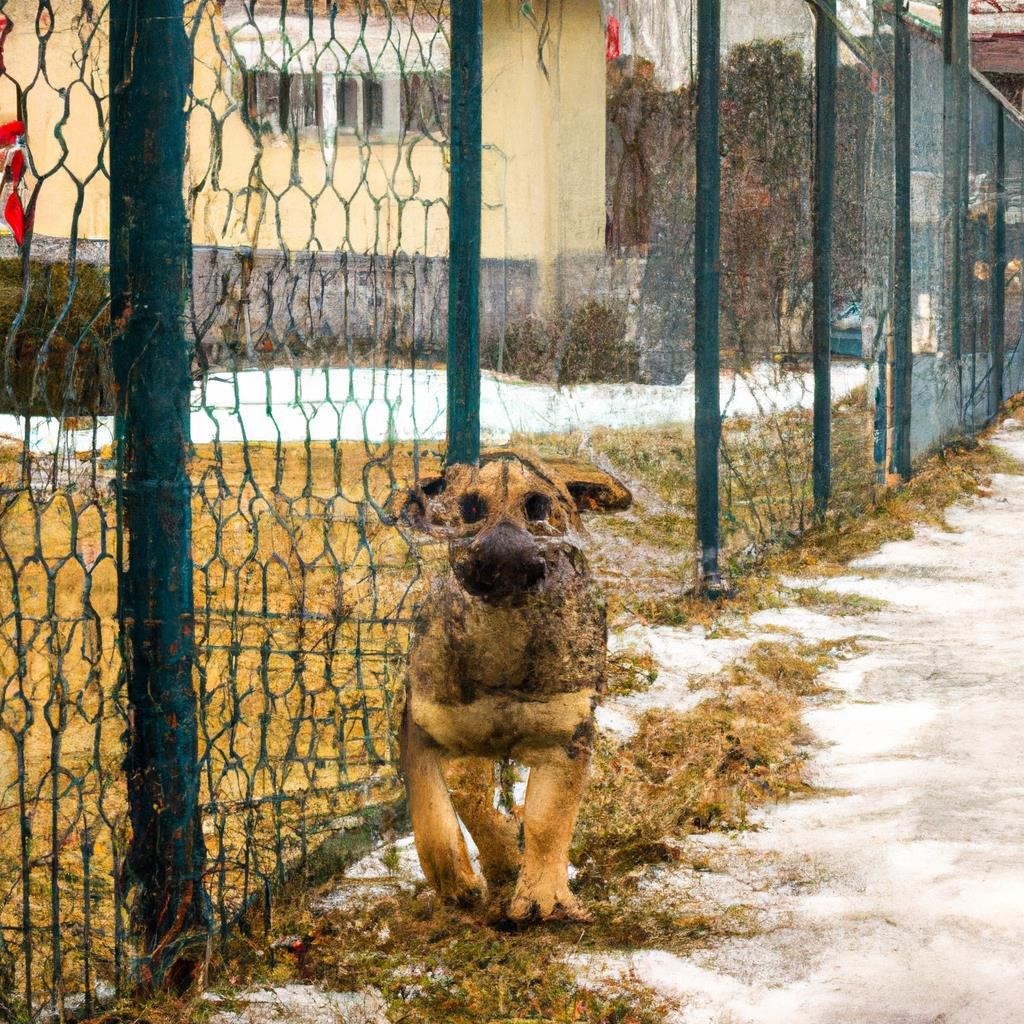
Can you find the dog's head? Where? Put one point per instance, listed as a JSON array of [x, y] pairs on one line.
[[512, 521]]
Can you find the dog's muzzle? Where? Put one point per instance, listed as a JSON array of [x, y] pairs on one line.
[[502, 561]]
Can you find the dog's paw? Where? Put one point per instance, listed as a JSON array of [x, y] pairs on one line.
[[546, 903], [463, 890]]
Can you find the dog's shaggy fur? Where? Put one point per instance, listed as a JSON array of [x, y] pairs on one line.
[[507, 662]]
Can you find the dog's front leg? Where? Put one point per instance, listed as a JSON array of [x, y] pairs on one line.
[[496, 834], [439, 842], [552, 804]]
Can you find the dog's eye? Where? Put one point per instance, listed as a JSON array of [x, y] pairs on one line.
[[538, 508], [473, 508]]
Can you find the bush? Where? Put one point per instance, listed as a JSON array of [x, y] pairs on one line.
[[530, 351], [589, 346], [57, 361], [594, 347]]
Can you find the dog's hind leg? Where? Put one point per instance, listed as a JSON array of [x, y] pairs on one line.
[[552, 805], [439, 842], [496, 834]]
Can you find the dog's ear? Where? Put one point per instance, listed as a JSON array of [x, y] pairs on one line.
[[591, 489], [420, 510]]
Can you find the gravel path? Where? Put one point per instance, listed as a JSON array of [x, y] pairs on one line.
[[899, 897]]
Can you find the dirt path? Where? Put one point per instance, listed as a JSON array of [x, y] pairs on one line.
[[899, 897]]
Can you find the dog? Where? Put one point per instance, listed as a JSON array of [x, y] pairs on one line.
[[507, 661]]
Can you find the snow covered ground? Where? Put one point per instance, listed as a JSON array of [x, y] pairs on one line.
[[378, 405], [899, 896]]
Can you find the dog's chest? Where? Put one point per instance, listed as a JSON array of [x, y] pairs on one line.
[[495, 649], [501, 680], [553, 643]]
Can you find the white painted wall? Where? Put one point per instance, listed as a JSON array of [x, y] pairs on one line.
[[664, 31]]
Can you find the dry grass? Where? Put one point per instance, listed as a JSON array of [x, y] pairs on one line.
[[298, 582], [963, 469], [702, 770], [303, 595], [630, 670], [646, 557], [646, 560], [680, 773]]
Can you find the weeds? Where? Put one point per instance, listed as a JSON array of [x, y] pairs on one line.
[[630, 671], [958, 471]]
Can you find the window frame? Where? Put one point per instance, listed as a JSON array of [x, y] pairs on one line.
[[379, 102]]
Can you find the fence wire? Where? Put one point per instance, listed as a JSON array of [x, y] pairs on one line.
[[317, 192], [317, 188]]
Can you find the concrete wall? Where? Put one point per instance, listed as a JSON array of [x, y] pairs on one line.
[[948, 400], [745, 21]]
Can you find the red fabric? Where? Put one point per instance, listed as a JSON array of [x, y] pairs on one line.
[[614, 47], [14, 214], [9, 132]]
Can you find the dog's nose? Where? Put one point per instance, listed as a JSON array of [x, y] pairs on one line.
[[501, 561]]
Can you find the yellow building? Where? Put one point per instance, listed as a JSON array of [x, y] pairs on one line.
[[326, 132]]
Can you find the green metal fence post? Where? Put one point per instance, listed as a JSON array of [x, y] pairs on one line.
[[956, 160], [901, 285], [825, 58], [464, 235], [150, 68], [708, 417], [997, 277]]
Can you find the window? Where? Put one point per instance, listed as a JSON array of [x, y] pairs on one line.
[[373, 104], [304, 108], [299, 103], [281, 103], [426, 100], [347, 98], [263, 99]]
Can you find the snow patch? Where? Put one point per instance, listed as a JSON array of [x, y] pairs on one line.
[[304, 1004], [806, 624], [859, 732], [355, 403], [912, 910]]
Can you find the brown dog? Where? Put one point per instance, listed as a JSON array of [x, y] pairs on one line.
[[507, 662]]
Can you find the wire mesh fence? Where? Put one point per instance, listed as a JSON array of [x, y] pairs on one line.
[[316, 188]]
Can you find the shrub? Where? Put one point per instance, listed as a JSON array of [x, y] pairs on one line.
[[594, 347], [56, 361], [529, 351]]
